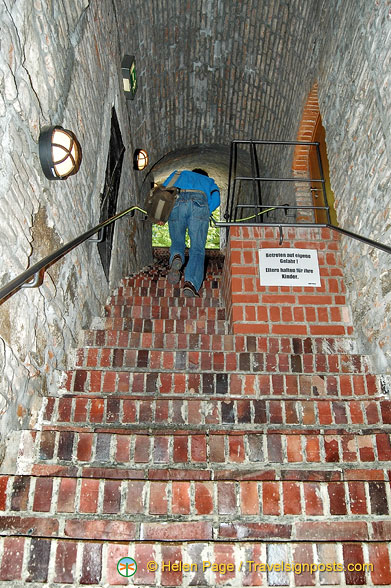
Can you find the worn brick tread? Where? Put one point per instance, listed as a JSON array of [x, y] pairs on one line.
[[221, 383], [335, 559], [238, 343], [355, 415], [195, 500], [219, 450], [225, 361], [168, 312], [168, 326]]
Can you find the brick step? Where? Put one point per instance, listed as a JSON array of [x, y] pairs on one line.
[[168, 326], [230, 454], [158, 279], [206, 564], [74, 411], [171, 312], [118, 381], [218, 510], [238, 343], [221, 361], [163, 301], [163, 290]]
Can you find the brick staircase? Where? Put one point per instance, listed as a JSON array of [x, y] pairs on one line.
[[211, 454]]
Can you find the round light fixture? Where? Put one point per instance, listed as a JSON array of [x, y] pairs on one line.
[[59, 152], [140, 159]]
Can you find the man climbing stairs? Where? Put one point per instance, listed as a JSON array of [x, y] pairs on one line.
[[206, 452]]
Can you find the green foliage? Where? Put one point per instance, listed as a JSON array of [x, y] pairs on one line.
[[161, 235]]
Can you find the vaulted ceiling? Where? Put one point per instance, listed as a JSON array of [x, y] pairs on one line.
[[210, 71]]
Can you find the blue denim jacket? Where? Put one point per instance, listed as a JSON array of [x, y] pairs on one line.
[[189, 180]]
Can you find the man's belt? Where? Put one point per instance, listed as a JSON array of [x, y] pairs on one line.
[[190, 190]]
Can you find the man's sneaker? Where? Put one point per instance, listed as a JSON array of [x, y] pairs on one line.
[[189, 290], [174, 275]]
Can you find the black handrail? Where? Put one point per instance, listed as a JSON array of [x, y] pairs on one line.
[[37, 270], [281, 225]]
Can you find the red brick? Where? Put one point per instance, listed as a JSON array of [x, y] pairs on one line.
[[312, 448], [39, 560], [144, 554], [357, 497], [326, 531], [89, 495], [180, 452], [184, 531], [236, 448], [198, 448], [337, 499], [303, 554], [142, 449], [43, 494], [294, 448], [92, 563], [12, 560], [80, 414], [254, 531], [116, 552], [171, 576], [313, 500], [291, 498], [161, 449], [226, 498], [122, 453], [66, 495], [64, 409], [84, 447], [216, 448], [100, 529], [158, 501], [249, 498], [112, 496], [353, 555], [17, 525], [97, 410], [3, 492], [20, 493], [203, 497], [134, 502], [271, 498], [379, 557], [181, 498], [66, 554]]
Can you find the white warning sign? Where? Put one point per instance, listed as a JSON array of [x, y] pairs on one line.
[[289, 267]]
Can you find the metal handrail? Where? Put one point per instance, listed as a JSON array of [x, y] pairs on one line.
[[366, 240], [36, 272]]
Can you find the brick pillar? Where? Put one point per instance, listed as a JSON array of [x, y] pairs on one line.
[[284, 310]]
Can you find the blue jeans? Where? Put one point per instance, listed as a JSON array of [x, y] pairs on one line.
[[191, 211]]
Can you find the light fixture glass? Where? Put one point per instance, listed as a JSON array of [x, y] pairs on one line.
[[140, 159], [59, 152]]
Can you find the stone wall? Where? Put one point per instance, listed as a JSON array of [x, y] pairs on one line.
[[59, 64], [355, 105]]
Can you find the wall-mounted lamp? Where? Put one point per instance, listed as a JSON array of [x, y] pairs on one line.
[[140, 159], [129, 79], [59, 153]]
